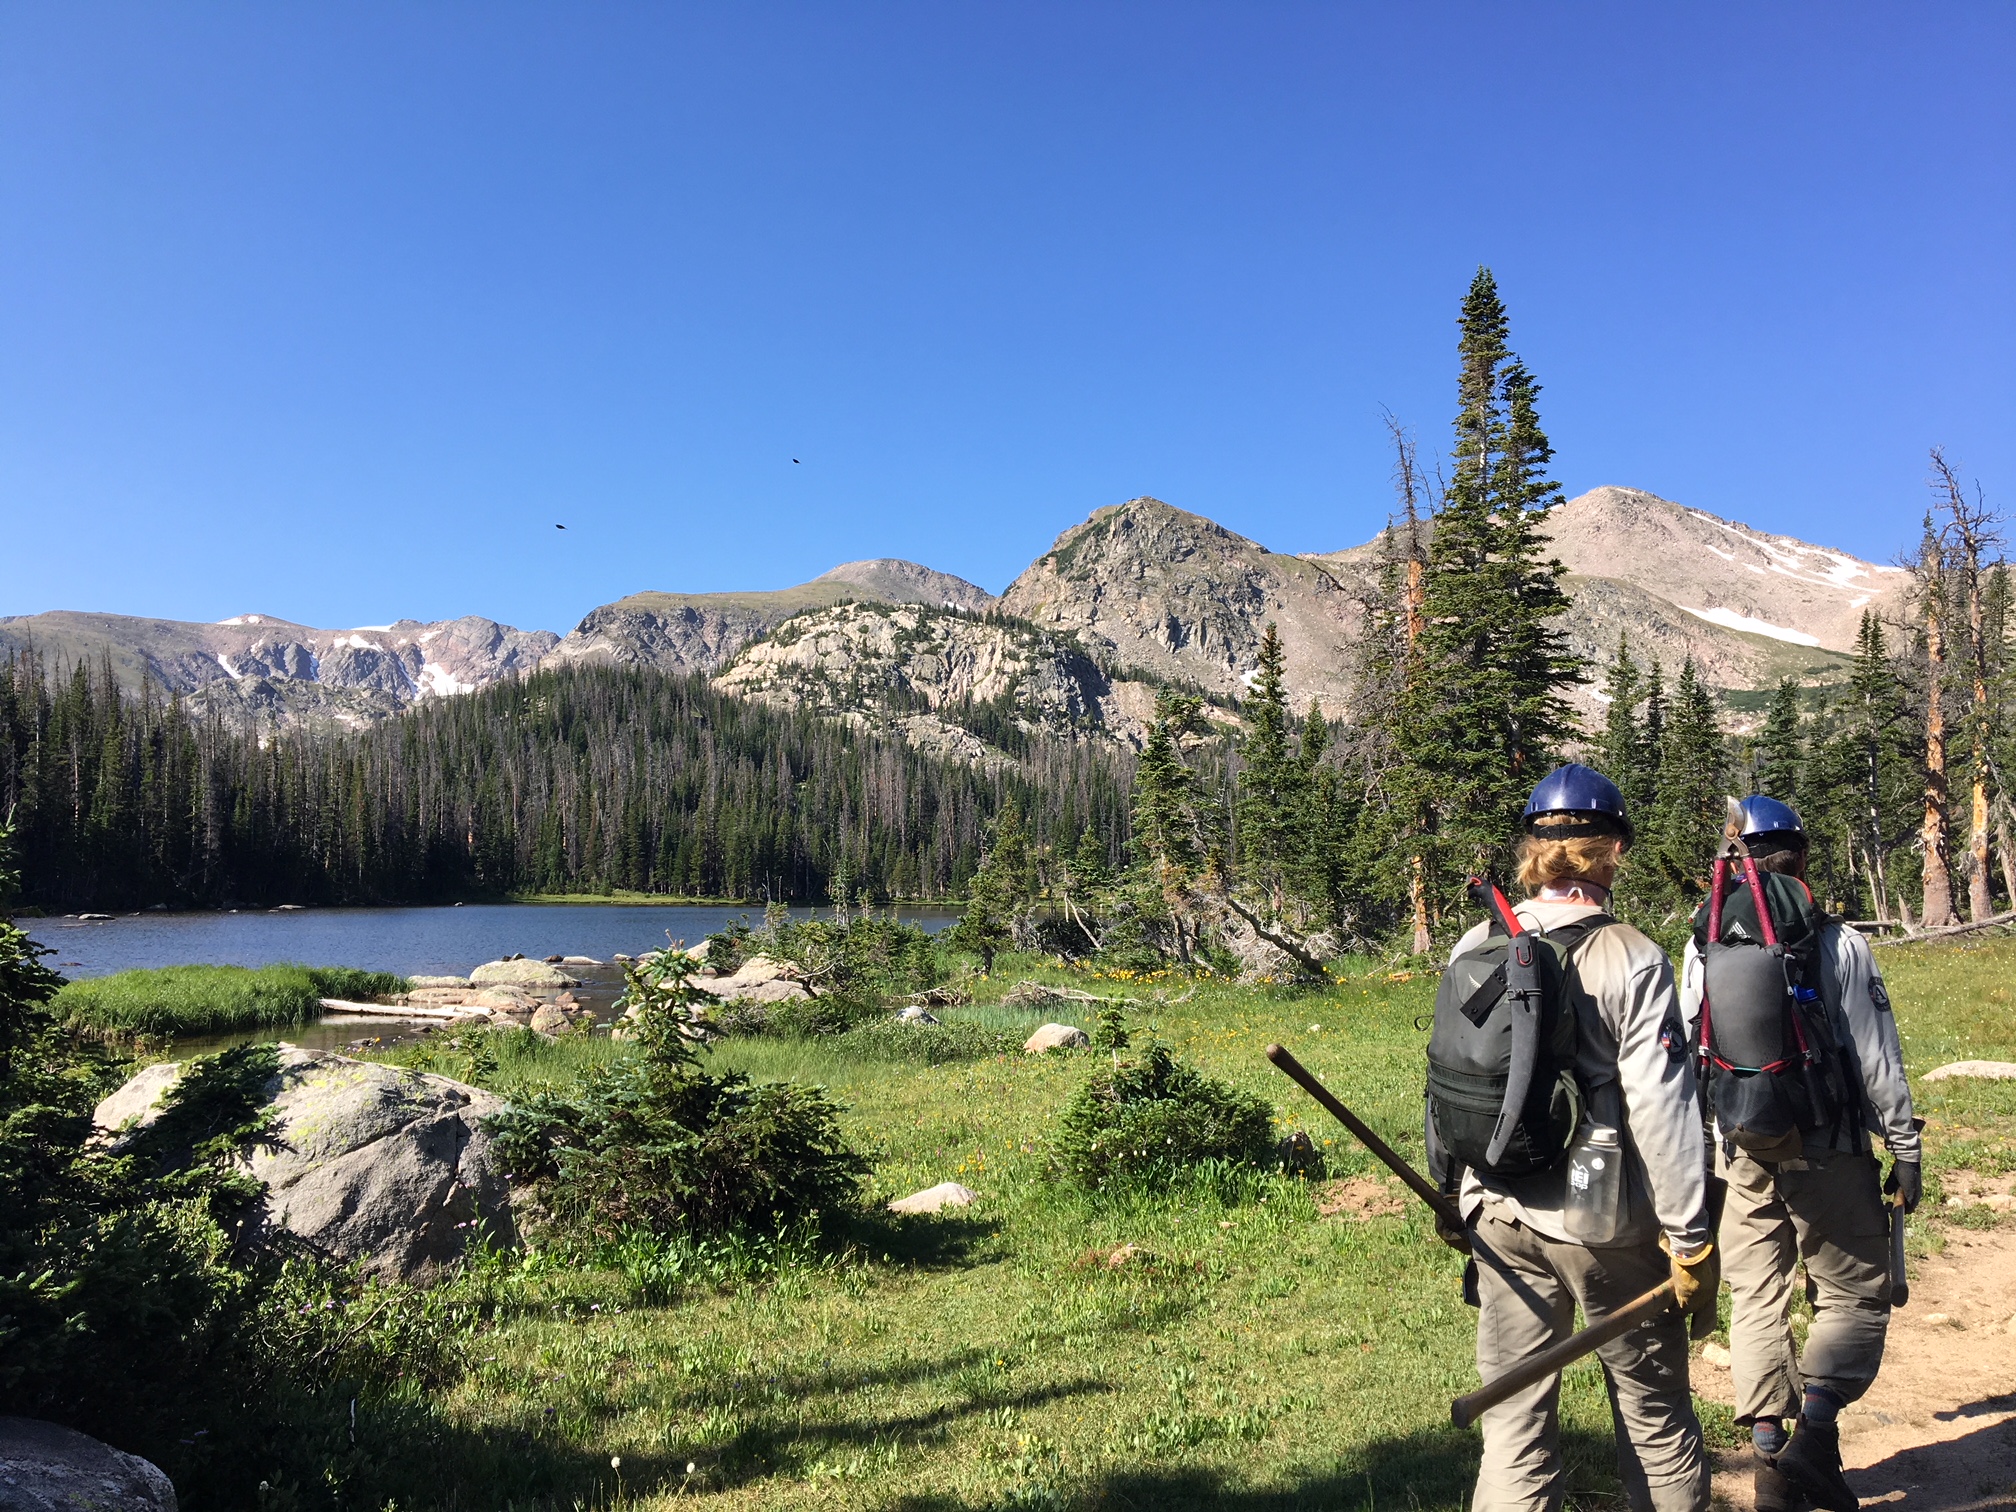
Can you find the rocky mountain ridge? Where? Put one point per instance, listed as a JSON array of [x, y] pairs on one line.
[[1140, 593], [260, 665]]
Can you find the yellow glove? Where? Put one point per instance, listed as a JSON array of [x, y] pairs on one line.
[[1696, 1277]]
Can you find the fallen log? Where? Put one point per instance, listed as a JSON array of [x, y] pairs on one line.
[[380, 1010], [1950, 931]]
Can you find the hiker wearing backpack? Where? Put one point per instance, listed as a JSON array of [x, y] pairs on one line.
[[1562, 1110], [1801, 1063]]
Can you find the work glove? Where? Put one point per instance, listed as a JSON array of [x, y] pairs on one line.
[[1696, 1278], [1906, 1180]]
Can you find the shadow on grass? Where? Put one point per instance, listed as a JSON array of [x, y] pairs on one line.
[[1433, 1468], [313, 1453], [938, 1241], [764, 1449]]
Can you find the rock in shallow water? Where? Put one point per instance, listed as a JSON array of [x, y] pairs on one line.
[[370, 1163], [521, 973], [44, 1468]]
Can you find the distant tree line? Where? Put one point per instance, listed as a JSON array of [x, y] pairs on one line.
[[584, 779]]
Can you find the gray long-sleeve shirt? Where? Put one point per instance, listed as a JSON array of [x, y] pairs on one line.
[[1858, 1011], [1631, 1058]]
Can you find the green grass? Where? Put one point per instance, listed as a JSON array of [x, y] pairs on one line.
[[182, 1000], [1258, 1357]]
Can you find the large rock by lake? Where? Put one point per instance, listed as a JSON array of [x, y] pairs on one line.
[[369, 1163], [46, 1468], [521, 973]]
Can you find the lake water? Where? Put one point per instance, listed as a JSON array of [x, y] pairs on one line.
[[447, 941]]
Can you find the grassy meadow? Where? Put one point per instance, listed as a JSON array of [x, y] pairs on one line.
[[1250, 1352]]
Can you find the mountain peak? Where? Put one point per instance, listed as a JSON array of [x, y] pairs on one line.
[[904, 582]]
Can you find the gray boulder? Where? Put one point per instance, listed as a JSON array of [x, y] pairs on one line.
[[1978, 1070], [368, 1163], [947, 1194], [521, 973], [44, 1468], [1056, 1037]]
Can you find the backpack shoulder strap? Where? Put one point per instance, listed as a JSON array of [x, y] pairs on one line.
[[1571, 937]]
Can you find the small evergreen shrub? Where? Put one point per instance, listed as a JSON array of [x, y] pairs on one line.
[[175, 1000], [1153, 1120], [867, 957], [1110, 1032], [657, 1143]]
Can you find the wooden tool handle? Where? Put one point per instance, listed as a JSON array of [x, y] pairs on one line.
[[1426, 1190], [1465, 1410]]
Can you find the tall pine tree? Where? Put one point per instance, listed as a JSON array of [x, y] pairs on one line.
[[1273, 785], [1779, 751], [1688, 815], [1487, 713]]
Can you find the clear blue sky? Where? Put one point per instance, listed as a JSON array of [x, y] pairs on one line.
[[333, 311]]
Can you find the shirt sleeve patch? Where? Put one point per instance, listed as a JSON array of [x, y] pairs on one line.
[[1879, 994]]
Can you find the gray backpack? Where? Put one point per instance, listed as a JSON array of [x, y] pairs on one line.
[[1503, 1096]]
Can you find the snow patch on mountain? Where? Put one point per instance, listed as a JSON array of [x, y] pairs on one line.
[[1729, 619]]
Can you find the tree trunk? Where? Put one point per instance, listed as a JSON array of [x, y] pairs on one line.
[[1938, 867], [1980, 891], [1418, 894], [2005, 850]]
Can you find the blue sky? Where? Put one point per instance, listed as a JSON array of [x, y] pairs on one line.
[[333, 312]]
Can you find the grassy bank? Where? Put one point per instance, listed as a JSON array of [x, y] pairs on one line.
[[1255, 1352], [179, 1000], [1252, 1352]]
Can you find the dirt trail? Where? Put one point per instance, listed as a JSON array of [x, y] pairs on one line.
[[1937, 1432]]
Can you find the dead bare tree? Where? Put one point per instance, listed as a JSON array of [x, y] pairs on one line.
[[1408, 482], [1935, 859], [1971, 528]]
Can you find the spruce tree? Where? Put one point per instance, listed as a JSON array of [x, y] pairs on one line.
[[1780, 748], [1864, 804], [1620, 753], [1170, 833], [1487, 714], [1271, 785], [1693, 781]]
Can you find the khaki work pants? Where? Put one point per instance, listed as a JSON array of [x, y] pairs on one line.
[[1827, 1211], [1528, 1287]]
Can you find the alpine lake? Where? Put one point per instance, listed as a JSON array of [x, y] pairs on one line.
[[446, 940]]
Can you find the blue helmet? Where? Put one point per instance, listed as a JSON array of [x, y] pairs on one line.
[[1576, 800], [1769, 820]]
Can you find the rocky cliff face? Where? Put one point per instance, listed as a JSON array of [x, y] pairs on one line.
[[1145, 585], [698, 632], [259, 664], [939, 678]]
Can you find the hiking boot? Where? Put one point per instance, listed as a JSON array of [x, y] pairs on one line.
[[1771, 1491], [1812, 1463]]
